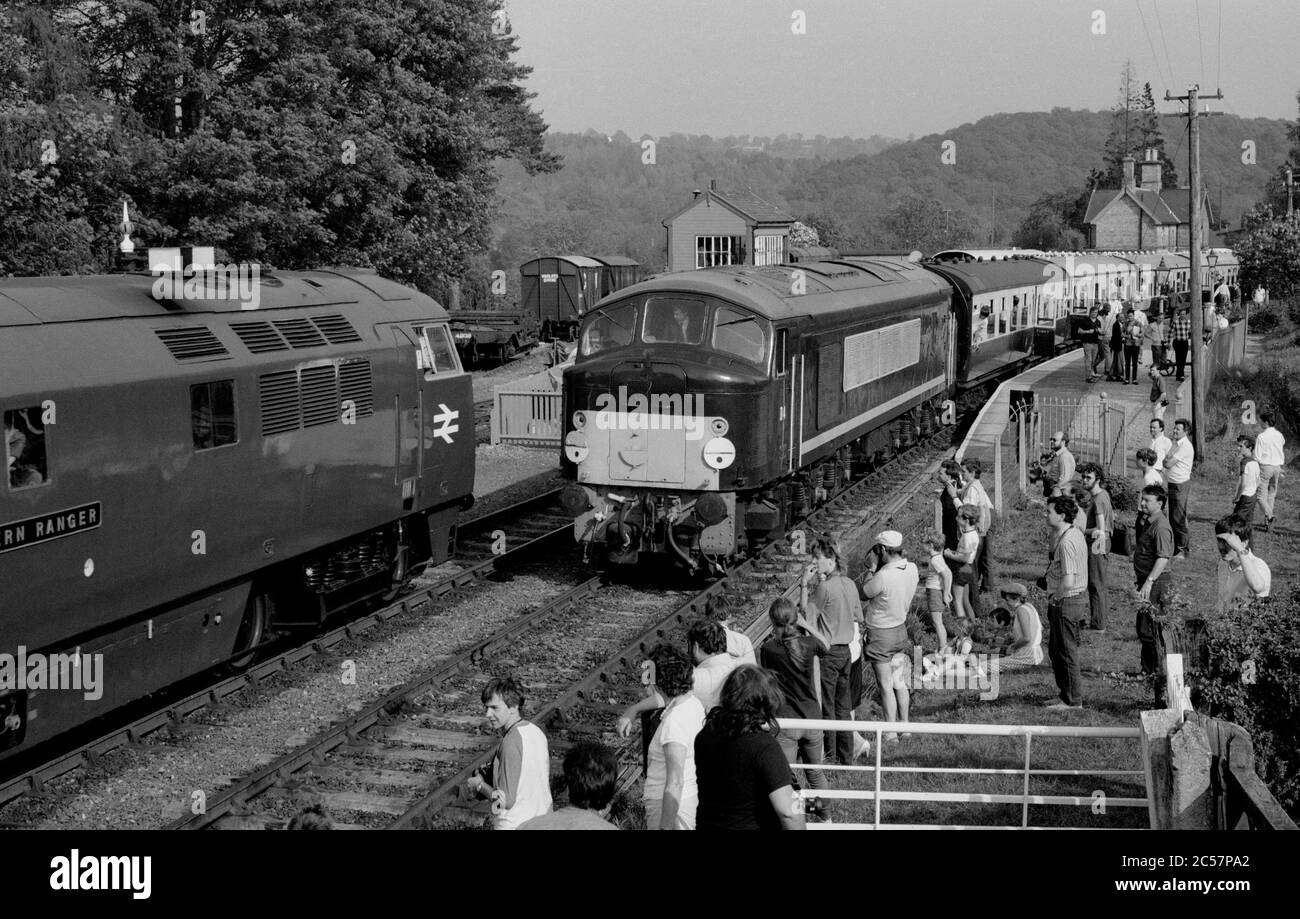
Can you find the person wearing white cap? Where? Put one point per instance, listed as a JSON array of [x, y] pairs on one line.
[[890, 586]]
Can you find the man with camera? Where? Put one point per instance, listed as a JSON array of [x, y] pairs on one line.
[[518, 781], [888, 591]]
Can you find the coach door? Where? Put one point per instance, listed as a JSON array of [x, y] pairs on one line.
[[783, 369], [408, 447]]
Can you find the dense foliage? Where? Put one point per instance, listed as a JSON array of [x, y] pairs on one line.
[[1269, 251], [1250, 680], [294, 133]]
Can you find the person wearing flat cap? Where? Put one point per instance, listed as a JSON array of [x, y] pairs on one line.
[[888, 591]]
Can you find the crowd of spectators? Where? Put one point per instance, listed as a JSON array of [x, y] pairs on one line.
[[714, 754]]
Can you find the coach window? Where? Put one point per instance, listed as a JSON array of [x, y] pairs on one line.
[[611, 327], [740, 334], [25, 448], [212, 414], [1002, 317]]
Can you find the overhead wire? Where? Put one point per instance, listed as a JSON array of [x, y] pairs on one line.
[[1218, 66], [1200, 40], [1169, 61], [1154, 57]]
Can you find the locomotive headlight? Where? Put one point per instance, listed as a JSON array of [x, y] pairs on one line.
[[579, 420], [575, 446], [719, 453], [719, 427]]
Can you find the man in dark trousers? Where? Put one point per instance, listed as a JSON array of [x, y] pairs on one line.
[[1180, 329], [1178, 480], [1099, 527], [1151, 555], [1066, 583]]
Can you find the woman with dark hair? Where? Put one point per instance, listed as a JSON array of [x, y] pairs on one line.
[[744, 778], [670, 792], [791, 655]]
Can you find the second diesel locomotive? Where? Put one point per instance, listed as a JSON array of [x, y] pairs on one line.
[[186, 475]]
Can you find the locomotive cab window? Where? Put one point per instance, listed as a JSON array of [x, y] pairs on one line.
[[439, 353], [741, 334], [212, 414], [25, 448], [674, 319], [612, 327]]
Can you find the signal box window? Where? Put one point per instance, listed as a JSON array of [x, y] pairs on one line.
[[672, 319], [612, 327], [740, 334], [25, 448], [212, 414], [439, 354]]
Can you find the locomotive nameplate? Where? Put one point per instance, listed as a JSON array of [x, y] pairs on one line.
[[34, 530]]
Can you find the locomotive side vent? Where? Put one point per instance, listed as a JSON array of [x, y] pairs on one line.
[[320, 395], [259, 337], [336, 329], [281, 410], [354, 384], [191, 343], [300, 333]]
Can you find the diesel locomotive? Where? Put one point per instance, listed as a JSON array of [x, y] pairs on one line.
[[186, 474], [708, 408]]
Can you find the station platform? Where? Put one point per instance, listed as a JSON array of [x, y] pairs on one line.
[[1062, 380]]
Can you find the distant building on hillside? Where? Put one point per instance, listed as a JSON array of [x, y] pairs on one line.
[[727, 228], [1145, 215]]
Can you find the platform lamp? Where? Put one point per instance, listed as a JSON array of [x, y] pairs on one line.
[[1162, 279]]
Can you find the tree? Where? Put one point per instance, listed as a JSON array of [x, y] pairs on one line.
[[297, 133], [924, 224], [1054, 221], [803, 235], [1269, 252], [1135, 128]]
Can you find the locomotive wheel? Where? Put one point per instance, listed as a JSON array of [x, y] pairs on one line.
[[252, 630]]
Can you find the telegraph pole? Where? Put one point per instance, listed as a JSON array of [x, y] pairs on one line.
[[1290, 200], [1199, 364]]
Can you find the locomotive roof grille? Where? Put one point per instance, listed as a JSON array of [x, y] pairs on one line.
[[300, 333], [282, 334], [192, 343]]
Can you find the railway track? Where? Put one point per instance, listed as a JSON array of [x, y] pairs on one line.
[[402, 761], [531, 525]]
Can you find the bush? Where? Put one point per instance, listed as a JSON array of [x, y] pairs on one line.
[[1269, 318], [1124, 493], [1250, 679]]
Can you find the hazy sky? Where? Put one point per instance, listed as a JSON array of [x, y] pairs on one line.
[[891, 67]]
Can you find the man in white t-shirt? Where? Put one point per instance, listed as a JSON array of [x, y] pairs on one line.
[[1178, 479], [1269, 452], [521, 769], [1159, 442]]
